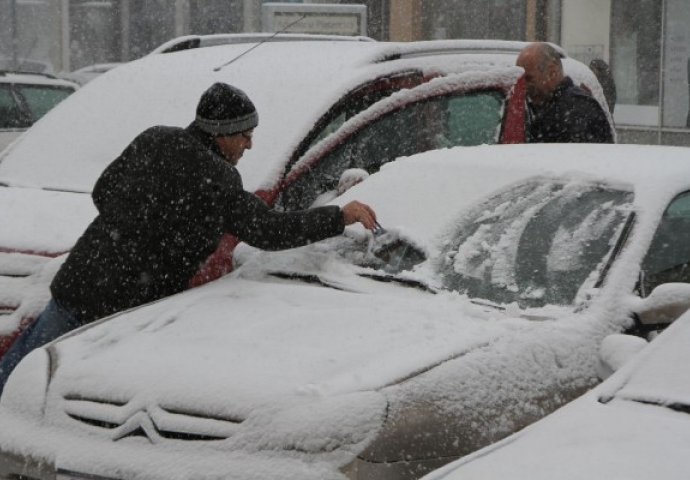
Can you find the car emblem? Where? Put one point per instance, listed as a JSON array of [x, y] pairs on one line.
[[139, 424]]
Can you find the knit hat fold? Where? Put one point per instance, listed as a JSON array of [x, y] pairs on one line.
[[225, 110]]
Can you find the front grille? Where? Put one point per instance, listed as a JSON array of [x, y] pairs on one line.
[[120, 420]]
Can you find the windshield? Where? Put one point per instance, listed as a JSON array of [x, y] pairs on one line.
[[535, 244]]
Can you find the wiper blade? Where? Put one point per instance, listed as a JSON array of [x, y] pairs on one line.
[[408, 282], [677, 407], [307, 278]]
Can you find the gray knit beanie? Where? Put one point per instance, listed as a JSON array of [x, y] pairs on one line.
[[225, 110]]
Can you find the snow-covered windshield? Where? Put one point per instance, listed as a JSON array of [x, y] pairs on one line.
[[535, 244]]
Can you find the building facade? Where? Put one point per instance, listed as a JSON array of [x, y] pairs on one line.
[[646, 43]]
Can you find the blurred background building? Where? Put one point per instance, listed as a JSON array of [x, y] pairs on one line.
[[646, 43]]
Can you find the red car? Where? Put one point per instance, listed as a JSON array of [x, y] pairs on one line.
[[329, 110]]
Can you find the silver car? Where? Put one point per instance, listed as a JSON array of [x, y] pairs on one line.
[[479, 310]]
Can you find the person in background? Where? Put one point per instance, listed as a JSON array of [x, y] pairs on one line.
[[163, 206], [559, 111]]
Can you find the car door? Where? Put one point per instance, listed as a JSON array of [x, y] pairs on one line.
[[356, 100], [425, 119]]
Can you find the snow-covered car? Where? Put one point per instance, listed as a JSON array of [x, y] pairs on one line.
[[187, 42], [25, 98], [467, 92], [84, 75], [478, 311], [634, 426]]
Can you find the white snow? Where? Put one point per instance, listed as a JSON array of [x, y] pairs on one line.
[[620, 430], [277, 354]]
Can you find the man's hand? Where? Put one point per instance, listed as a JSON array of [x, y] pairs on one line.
[[359, 212]]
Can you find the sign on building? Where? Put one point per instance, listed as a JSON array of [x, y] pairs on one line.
[[323, 19]]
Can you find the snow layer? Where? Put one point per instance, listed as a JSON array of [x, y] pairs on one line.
[[620, 430], [270, 353]]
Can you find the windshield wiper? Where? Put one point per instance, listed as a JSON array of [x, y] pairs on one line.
[[306, 278], [676, 407], [408, 282]]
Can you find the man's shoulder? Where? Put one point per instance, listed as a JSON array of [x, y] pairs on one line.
[[162, 132], [577, 92], [577, 98]]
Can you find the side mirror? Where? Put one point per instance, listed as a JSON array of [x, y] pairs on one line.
[[350, 178], [664, 305], [615, 351]]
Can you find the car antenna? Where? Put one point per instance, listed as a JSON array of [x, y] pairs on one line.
[[217, 69]]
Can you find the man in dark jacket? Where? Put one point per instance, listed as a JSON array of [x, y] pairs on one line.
[[559, 111], [163, 206]]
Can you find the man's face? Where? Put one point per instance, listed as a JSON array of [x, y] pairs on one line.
[[233, 146], [541, 79]]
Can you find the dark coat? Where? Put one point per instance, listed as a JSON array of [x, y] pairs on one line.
[[163, 206], [571, 115]]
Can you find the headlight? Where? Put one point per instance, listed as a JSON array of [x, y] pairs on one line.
[[25, 390], [322, 425]]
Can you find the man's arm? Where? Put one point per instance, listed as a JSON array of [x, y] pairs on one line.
[[253, 222]]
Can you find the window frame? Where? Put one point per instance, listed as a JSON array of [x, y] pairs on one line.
[[643, 288], [510, 113]]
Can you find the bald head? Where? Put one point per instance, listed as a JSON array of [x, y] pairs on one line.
[[543, 70]]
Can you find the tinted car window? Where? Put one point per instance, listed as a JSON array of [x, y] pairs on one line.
[[474, 119], [668, 257], [535, 244], [41, 99], [10, 113], [357, 101], [439, 122]]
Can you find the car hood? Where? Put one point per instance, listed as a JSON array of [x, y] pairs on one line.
[[251, 339], [28, 219]]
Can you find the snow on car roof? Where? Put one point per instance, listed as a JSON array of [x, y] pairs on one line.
[[292, 84], [28, 78]]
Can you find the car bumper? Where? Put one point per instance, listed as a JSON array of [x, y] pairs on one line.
[[35, 452]]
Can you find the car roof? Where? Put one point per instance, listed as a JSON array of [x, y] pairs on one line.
[[31, 78], [187, 42], [93, 126]]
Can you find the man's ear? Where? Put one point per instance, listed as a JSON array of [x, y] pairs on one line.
[[553, 71]]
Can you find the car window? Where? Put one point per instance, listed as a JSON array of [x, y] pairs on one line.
[[10, 113], [41, 99], [535, 244], [356, 101], [668, 257], [473, 120], [439, 122]]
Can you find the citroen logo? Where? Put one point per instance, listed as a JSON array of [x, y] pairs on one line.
[[139, 424]]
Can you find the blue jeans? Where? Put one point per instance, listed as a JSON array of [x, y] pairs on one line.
[[53, 322]]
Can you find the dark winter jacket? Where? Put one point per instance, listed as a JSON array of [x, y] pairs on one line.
[[571, 115], [163, 206]]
